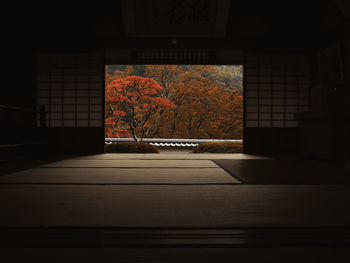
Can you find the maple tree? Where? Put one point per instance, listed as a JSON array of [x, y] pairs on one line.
[[130, 103]]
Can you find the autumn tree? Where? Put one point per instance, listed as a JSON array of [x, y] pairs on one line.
[[130, 103], [169, 77], [177, 81], [207, 101]]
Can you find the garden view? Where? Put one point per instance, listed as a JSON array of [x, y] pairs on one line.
[[174, 101]]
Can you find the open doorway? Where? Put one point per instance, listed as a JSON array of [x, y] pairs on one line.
[[176, 103]]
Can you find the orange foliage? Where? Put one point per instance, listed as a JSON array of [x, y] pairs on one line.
[[172, 102], [130, 102]]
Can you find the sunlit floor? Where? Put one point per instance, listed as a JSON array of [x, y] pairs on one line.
[[167, 191]]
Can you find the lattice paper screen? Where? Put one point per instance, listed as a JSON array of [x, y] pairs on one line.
[[277, 87], [70, 87]]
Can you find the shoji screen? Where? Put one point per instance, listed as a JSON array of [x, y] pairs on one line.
[[70, 89], [277, 87]]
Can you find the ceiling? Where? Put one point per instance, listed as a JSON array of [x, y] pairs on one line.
[[175, 18], [196, 23]]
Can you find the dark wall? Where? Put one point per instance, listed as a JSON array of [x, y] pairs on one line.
[[17, 94], [73, 140], [324, 132], [270, 141], [17, 123], [346, 63]]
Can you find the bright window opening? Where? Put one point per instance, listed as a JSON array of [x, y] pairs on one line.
[[174, 101]]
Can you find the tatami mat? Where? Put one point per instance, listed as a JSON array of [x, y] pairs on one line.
[[215, 206], [286, 171], [120, 176], [168, 156], [133, 163]]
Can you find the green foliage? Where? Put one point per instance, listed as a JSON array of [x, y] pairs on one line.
[[130, 147], [229, 77], [218, 147]]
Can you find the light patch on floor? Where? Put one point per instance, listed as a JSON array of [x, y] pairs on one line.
[[168, 156], [120, 176], [133, 163]]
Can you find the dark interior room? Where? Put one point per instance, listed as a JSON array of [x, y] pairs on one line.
[[284, 198]]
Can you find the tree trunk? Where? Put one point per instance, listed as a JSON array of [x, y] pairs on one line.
[[132, 128], [156, 122]]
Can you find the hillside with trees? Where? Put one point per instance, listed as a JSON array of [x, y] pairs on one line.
[[174, 101]]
